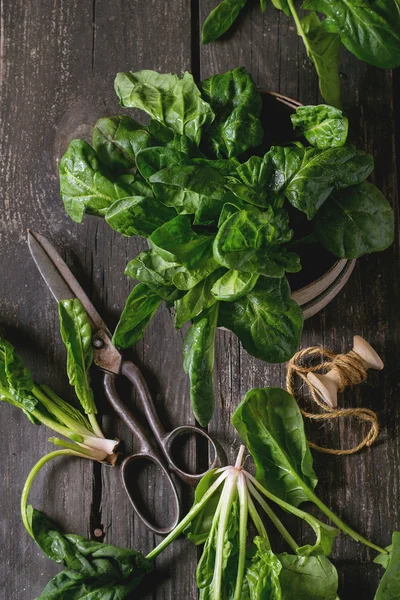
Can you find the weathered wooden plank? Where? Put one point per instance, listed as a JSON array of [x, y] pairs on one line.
[[357, 487]]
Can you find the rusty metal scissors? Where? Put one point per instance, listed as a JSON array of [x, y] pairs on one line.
[[64, 286]]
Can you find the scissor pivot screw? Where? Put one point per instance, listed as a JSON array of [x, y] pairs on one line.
[[97, 343]]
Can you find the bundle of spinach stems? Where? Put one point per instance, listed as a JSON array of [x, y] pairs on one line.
[[369, 29], [232, 509], [214, 207]]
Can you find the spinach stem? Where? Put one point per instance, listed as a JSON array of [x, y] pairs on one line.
[[274, 518], [95, 425], [259, 525], [32, 474], [196, 508], [58, 413], [243, 518], [299, 27]]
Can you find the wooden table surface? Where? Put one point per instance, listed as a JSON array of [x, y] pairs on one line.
[[58, 62]]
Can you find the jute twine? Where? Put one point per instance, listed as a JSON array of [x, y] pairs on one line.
[[352, 370]]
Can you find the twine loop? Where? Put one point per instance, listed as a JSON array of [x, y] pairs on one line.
[[352, 370]]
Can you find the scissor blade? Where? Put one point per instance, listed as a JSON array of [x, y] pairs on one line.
[[59, 278]]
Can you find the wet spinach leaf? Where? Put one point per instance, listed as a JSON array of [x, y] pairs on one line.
[[267, 321], [323, 126], [355, 221], [173, 101]]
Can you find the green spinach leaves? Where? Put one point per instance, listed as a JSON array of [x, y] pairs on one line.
[[215, 209]]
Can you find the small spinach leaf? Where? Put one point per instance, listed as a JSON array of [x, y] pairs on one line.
[[117, 140], [138, 215], [174, 102], [323, 126], [15, 380], [83, 185], [267, 321], [236, 102], [154, 159], [196, 299], [199, 529], [233, 285], [198, 352], [220, 19], [355, 221], [262, 575], [308, 578], [76, 333], [166, 137], [140, 308]]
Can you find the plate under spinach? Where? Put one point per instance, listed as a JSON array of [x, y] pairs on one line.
[[213, 207]]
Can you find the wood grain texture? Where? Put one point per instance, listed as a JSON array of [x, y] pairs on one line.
[[58, 62]]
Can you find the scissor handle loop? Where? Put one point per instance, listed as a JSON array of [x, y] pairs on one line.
[[124, 472], [190, 478]]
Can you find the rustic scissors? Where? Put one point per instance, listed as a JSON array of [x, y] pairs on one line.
[[64, 286]]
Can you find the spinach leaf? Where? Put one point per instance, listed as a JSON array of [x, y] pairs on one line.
[[307, 578], [154, 159], [174, 102], [262, 576], [267, 321], [167, 138], [140, 308], [177, 242], [355, 221], [323, 126], [323, 48], [155, 272], [117, 140], [76, 333], [93, 567], [318, 173], [270, 423], [83, 185], [191, 189], [370, 30], [138, 215], [15, 381], [389, 587], [220, 19], [250, 241], [196, 299], [198, 352], [236, 102], [226, 166], [233, 285]]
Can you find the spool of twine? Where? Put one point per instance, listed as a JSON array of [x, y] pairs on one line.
[[352, 370]]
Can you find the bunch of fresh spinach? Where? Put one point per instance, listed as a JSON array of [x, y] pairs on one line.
[[369, 29], [214, 210], [42, 405]]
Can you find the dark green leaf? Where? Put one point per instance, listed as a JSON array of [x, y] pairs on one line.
[[15, 380], [282, 5], [76, 333], [250, 241], [191, 189], [220, 19], [355, 221], [163, 136], [140, 308], [307, 578], [152, 160], [312, 180], [370, 30], [270, 423], [267, 321], [117, 140], [139, 215], [174, 102], [389, 587], [323, 48], [196, 299], [237, 105], [323, 126], [198, 351], [84, 187], [226, 166], [233, 285], [93, 567]]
